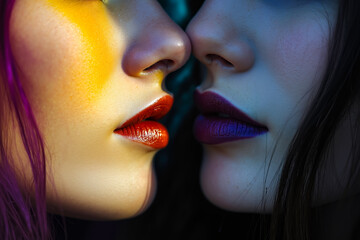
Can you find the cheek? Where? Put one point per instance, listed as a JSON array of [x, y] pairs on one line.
[[67, 57], [96, 34], [300, 56], [96, 54], [63, 69]]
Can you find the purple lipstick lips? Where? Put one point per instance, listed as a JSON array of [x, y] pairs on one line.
[[221, 122]]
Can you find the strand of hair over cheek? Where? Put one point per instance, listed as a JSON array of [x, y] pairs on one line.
[[20, 219]]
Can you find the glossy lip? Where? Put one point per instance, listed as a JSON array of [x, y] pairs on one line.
[[220, 121], [142, 128]]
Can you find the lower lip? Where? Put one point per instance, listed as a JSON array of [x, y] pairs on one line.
[[216, 130], [150, 133]]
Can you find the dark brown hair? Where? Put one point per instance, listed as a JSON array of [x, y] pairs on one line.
[[338, 92]]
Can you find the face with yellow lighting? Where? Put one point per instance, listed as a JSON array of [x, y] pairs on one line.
[[90, 69]]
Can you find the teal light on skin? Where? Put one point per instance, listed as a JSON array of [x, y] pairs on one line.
[[178, 10], [180, 83]]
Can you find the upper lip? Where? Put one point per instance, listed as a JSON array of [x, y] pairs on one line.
[[155, 111], [212, 103]]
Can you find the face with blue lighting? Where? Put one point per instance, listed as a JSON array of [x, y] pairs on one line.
[[263, 62]]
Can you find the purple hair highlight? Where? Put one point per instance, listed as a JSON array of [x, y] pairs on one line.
[[21, 216]]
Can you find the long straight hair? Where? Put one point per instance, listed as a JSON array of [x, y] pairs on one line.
[[21, 216], [307, 153]]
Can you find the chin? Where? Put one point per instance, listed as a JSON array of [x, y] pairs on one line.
[[113, 198], [235, 186]]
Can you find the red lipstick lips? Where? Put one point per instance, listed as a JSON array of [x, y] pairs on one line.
[[142, 129]]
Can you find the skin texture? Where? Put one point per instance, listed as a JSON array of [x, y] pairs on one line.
[[267, 58], [88, 66]]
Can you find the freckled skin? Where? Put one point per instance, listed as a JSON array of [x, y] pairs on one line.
[[70, 56], [98, 56]]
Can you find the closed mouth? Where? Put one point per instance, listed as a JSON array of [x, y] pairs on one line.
[[143, 127], [220, 121]]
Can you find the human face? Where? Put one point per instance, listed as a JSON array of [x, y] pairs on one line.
[[88, 67], [264, 61]]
